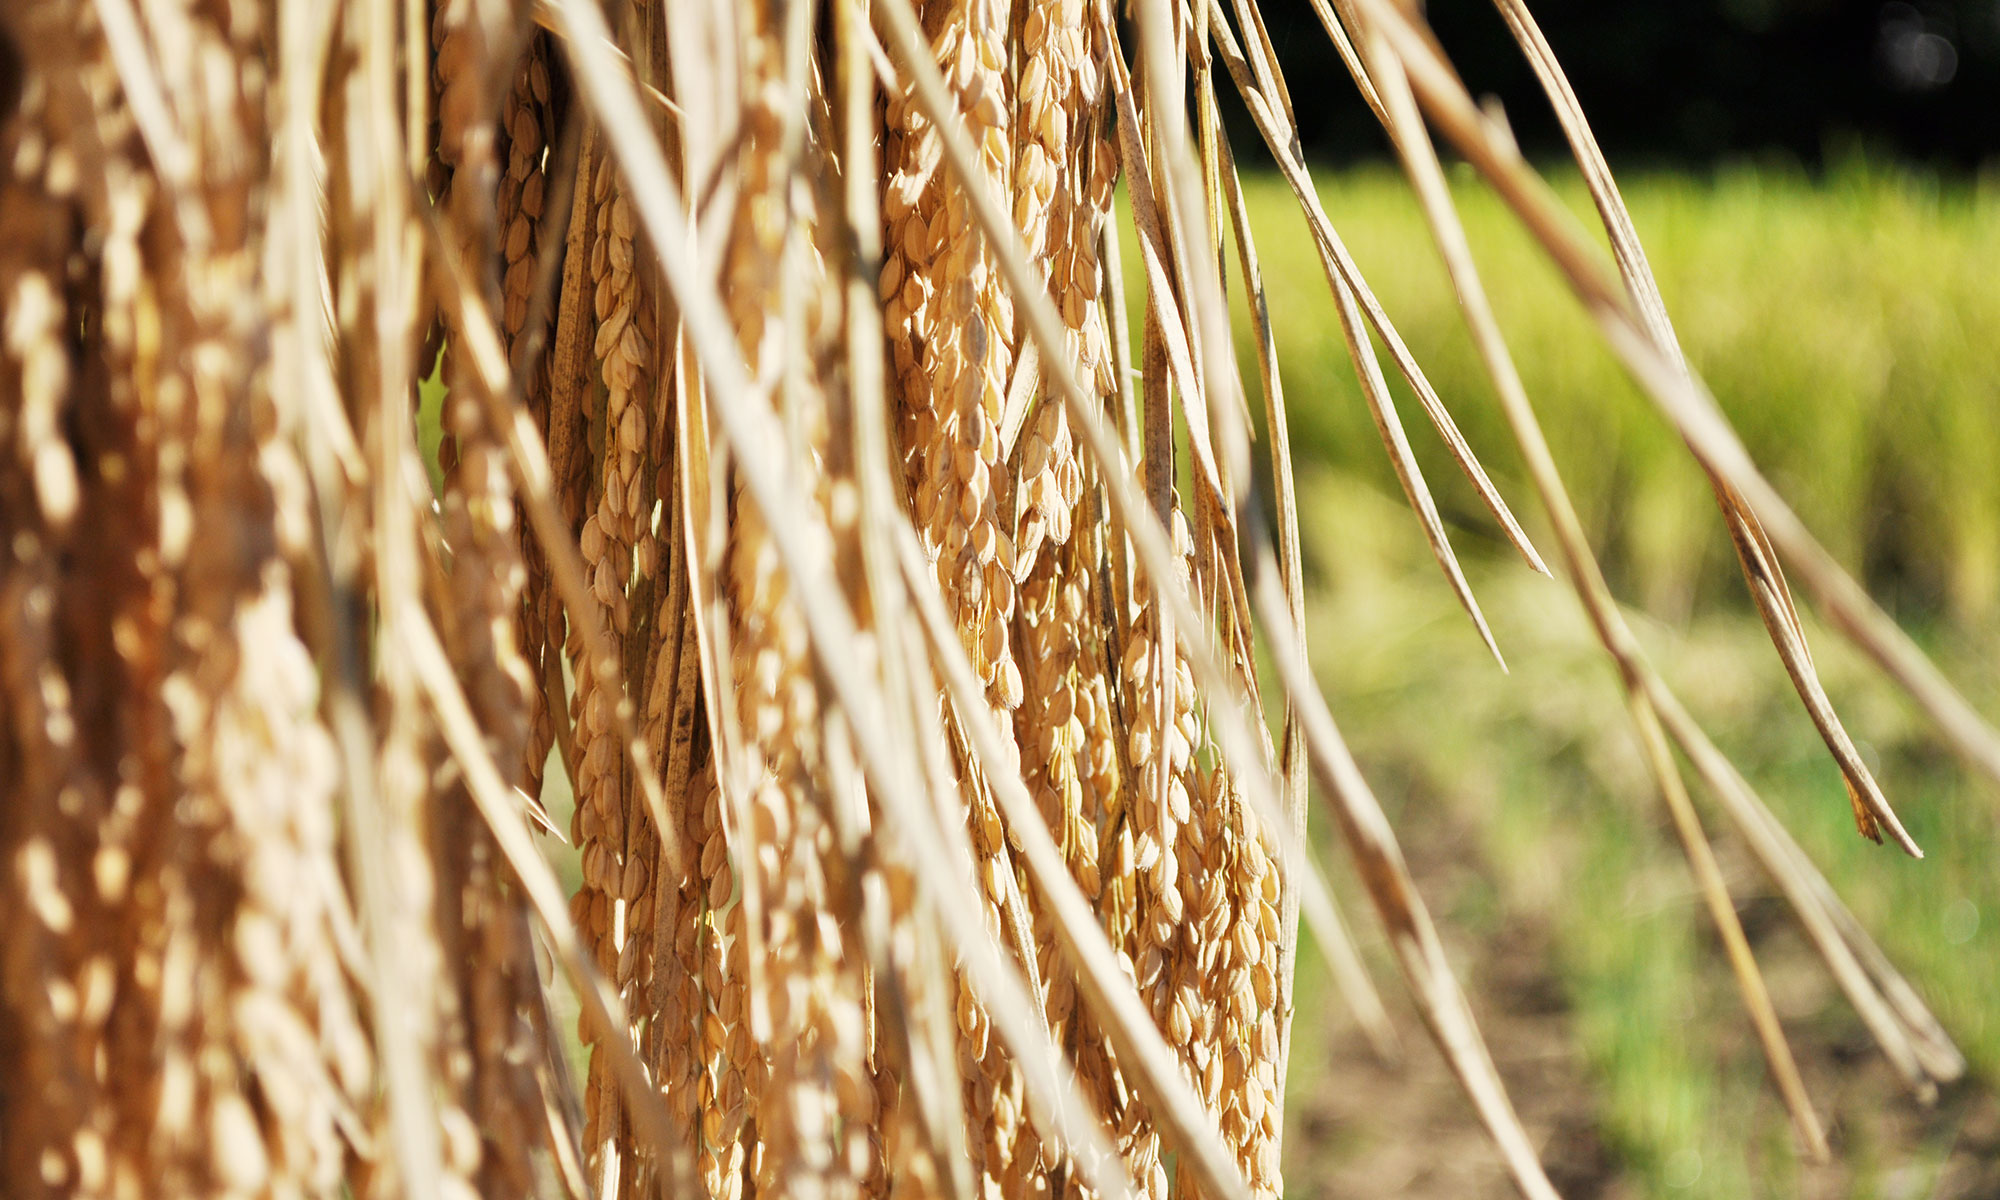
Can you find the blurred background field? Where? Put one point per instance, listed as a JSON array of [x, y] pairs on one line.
[[1849, 324]]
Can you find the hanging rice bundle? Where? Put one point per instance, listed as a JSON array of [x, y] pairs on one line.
[[809, 511]]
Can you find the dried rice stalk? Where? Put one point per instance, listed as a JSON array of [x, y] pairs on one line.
[[480, 607], [527, 128], [951, 337], [608, 828]]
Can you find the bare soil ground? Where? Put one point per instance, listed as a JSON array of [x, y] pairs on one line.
[[1362, 1128]]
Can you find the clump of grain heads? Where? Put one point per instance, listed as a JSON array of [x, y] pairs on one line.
[[170, 850], [985, 903]]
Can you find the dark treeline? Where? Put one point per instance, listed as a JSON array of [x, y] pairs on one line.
[[1697, 81]]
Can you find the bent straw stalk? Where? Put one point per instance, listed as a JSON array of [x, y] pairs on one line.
[[809, 540]]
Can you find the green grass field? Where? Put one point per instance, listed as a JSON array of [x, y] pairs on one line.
[[1851, 329]]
